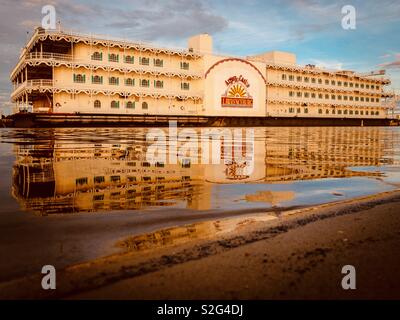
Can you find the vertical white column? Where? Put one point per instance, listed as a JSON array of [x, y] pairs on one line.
[[91, 102], [123, 81]]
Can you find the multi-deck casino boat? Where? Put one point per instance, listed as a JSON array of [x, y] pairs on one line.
[[65, 78]]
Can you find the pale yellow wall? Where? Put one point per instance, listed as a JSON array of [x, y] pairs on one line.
[[321, 96], [277, 57], [202, 43], [84, 103], [63, 78], [215, 86], [276, 76], [68, 103], [83, 52]]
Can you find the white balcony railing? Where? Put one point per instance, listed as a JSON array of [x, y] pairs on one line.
[[314, 70], [124, 41], [330, 102], [40, 83], [48, 56], [47, 83], [310, 85], [30, 84]]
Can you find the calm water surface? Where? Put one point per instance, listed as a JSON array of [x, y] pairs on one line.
[[68, 194]]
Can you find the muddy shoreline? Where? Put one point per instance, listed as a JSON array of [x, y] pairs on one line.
[[232, 251]]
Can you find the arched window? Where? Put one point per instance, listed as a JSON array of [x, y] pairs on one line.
[[186, 86], [158, 62], [185, 65], [144, 61], [159, 84], [114, 81], [113, 57], [79, 78], [145, 83], [130, 82], [130, 105], [97, 80], [97, 56], [129, 59], [97, 104], [145, 106], [114, 104]]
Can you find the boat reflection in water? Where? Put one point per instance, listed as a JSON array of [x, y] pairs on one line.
[[86, 171]]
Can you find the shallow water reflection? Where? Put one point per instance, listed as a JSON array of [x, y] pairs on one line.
[[103, 170]]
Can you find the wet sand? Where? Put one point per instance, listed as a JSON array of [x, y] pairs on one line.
[[297, 254]]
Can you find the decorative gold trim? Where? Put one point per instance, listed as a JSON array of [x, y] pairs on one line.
[[46, 87], [304, 70], [327, 89], [59, 61]]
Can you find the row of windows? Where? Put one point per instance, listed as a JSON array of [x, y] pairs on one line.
[[350, 112], [333, 96], [116, 104], [112, 57], [117, 179], [338, 111], [128, 104], [329, 82], [159, 84]]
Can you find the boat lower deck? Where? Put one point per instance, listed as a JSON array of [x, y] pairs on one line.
[[46, 120]]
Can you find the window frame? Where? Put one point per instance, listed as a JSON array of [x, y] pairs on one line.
[[113, 55]]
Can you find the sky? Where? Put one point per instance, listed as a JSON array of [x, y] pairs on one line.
[[310, 29]]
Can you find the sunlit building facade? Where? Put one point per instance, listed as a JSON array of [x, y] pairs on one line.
[[69, 73]]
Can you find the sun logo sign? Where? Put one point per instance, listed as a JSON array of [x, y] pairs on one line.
[[236, 94]]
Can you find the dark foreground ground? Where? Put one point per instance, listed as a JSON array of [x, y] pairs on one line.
[[283, 256]]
